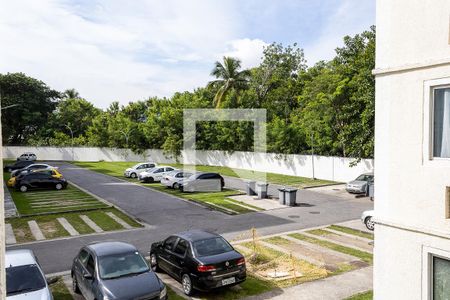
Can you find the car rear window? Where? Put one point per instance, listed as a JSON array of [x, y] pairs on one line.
[[212, 246], [22, 279], [121, 265]]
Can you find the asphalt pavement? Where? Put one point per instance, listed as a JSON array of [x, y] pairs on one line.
[[165, 214]]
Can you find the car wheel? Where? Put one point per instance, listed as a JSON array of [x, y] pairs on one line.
[[58, 186], [154, 262], [187, 284], [133, 175], [75, 287], [176, 185], [23, 188], [369, 223], [150, 180]]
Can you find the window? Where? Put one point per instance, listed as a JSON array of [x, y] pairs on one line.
[[83, 256], [441, 122], [212, 246], [169, 242], [22, 279], [181, 247], [440, 278], [90, 266]]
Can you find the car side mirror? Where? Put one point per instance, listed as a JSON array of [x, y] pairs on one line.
[[87, 276], [51, 280]]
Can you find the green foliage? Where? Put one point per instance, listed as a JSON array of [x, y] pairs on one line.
[[328, 108]]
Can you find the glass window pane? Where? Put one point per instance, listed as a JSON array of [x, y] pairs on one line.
[[441, 279], [441, 124]]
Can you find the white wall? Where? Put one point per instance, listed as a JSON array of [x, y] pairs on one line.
[[412, 51], [329, 168]]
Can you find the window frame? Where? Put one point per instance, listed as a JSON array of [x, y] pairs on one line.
[[428, 254], [428, 121]]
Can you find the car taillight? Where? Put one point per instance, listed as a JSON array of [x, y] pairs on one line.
[[202, 268], [241, 261]]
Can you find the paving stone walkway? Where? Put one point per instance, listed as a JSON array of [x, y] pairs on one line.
[[10, 207]]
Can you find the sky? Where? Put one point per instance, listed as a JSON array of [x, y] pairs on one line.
[[113, 50]]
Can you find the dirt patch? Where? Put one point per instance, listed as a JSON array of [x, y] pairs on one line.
[[52, 229], [23, 235]]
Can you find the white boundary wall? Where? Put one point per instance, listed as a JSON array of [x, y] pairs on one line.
[[325, 167]]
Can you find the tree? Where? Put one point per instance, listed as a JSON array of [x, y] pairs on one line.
[[34, 102], [71, 94], [229, 77]]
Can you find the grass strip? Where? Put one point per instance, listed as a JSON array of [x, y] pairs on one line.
[[362, 296], [60, 291], [352, 231], [364, 256]]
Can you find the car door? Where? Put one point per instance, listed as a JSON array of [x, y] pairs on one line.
[[179, 256], [88, 283], [34, 180], [79, 269], [165, 255], [157, 174]]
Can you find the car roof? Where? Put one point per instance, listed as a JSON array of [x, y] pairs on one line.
[[196, 235], [20, 257], [109, 248]]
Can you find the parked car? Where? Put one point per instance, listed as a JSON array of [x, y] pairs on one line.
[[155, 174], [199, 260], [114, 270], [360, 184], [174, 178], [24, 276], [203, 182], [42, 179], [12, 181], [27, 156], [32, 167], [17, 165], [367, 219], [134, 171]]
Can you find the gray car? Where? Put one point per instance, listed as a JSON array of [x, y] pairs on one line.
[[174, 178], [360, 184], [114, 270]]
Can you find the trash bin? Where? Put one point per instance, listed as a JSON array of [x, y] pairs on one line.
[[250, 188], [371, 190], [282, 196], [261, 190], [291, 197]]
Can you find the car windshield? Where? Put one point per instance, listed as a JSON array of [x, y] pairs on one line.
[[121, 265], [364, 177], [22, 279], [211, 246], [135, 166]]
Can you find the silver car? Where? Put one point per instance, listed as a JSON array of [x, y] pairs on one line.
[[30, 168], [115, 270], [174, 178], [24, 276], [27, 156], [360, 184]]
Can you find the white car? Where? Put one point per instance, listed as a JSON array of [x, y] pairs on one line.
[[155, 174], [24, 277], [367, 219], [134, 171], [174, 178], [27, 156]]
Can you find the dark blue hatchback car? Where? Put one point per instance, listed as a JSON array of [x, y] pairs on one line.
[[115, 270]]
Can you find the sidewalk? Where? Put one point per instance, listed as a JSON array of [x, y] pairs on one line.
[[331, 288], [10, 207]]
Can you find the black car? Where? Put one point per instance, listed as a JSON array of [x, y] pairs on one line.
[[39, 180], [199, 260], [115, 270], [203, 182], [17, 165]]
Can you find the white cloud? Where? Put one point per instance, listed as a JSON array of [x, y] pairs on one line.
[[113, 51], [249, 51]]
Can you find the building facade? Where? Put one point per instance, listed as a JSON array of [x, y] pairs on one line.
[[412, 150]]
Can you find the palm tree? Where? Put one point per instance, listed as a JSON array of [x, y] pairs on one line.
[[71, 94], [229, 77]]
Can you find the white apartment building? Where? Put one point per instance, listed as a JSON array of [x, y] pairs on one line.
[[412, 151]]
